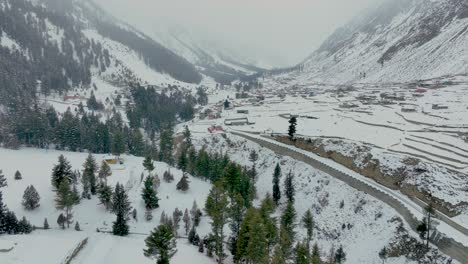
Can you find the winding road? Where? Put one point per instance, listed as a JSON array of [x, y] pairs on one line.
[[403, 205]]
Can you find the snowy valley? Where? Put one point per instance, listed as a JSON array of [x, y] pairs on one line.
[[121, 145]]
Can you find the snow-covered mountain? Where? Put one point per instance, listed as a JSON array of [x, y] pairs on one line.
[[212, 58], [67, 44], [402, 40]]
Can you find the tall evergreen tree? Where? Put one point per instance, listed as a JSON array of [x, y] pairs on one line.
[[187, 222], [288, 220], [3, 181], [187, 138], [183, 184], [104, 172], [252, 245], [160, 244], [292, 127], [308, 224], [149, 194], [62, 170], [121, 207], [302, 254], [105, 195], [89, 173], [316, 255], [289, 190], [340, 255], [118, 143], [236, 214], [278, 256], [148, 164], [136, 146], [182, 163], [216, 207], [65, 200], [267, 208], [166, 145], [3, 211], [120, 201], [276, 184], [31, 198]]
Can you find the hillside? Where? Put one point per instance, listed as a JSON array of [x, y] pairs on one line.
[[212, 59], [66, 44], [400, 41]]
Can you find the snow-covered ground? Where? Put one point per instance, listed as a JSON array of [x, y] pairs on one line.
[[35, 166], [387, 133]]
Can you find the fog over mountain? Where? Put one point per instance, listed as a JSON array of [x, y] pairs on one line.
[[268, 33]]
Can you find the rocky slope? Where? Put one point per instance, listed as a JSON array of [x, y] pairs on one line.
[[402, 40]]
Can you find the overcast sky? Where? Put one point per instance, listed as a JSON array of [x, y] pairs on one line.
[[275, 32]]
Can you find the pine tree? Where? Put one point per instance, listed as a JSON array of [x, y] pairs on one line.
[[187, 222], [166, 146], [120, 226], [24, 227], [216, 207], [121, 207], [383, 254], [46, 224], [61, 171], [118, 144], [195, 213], [237, 211], [89, 173], [278, 256], [148, 164], [148, 194], [120, 201], [285, 243], [3, 181], [136, 145], [276, 184], [192, 234], [104, 172], [288, 219], [316, 255], [252, 245], [18, 175], [302, 254], [182, 163], [105, 196], [430, 211], [340, 255], [77, 226], [308, 224], [292, 127], [187, 138], [65, 200], [176, 217], [160, 244], [191, 161], [3, 211], [289, 187], [31, 198], [168, 177], [267, 208], [61, 220], [183, 184], [135, 214]]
